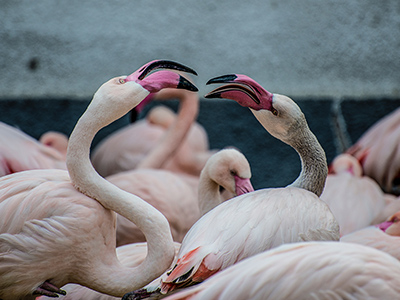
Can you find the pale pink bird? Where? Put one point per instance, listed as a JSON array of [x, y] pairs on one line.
[[384, 236], [176, 199], [21, 152], [178, 145], [264, 219], [313, 270], [356, 201], [378, 151], [58, 229]]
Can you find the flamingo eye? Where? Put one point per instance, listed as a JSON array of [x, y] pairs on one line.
[[121, 81], [274, 111]]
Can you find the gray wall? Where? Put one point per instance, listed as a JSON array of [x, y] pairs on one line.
[[302, 48]]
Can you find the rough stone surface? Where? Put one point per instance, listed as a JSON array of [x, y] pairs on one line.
[[302, 48]]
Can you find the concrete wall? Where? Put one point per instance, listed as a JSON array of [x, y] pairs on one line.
[[302, 48]]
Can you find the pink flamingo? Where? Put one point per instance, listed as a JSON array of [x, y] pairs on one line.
[[378, 151], [176, 199], [384, 236], [312, 270], [266, 218], [21, 152], [178, 145], [58, 229], [356, 201]]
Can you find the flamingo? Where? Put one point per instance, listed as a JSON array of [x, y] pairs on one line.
[[312, 270], [182, 148], [20, 152], [384, 236], [379, 153], [356, 201], [176, 199], [266, 218], [59, 227]]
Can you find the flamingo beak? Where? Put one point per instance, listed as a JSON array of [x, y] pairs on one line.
[[384, 226], [243, 185], [242, 89], [152, 79]]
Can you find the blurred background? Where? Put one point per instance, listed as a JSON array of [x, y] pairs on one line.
[[339, 60]]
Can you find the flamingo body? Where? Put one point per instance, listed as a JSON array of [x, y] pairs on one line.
[[21, 152], [66, 228], [260, 218], [313, 270]]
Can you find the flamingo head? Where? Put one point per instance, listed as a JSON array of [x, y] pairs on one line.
[[278, 114], [391, 226], [127, 92]]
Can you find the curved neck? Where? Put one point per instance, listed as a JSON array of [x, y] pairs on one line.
[[152, 223], [314, 168], [176, 133], [208, 195]]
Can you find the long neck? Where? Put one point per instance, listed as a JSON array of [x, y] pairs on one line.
[[177, 132], [152, 223], [209, 195], [314, 168]]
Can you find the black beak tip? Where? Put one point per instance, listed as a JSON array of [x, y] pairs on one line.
[[134, 114], [164, 64], [186, 85], [222, 79]]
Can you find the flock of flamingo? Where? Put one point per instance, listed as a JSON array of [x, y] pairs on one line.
[[154, 213]]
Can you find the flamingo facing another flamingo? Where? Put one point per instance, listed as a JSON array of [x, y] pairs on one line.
[[58, 229], [266, 218]]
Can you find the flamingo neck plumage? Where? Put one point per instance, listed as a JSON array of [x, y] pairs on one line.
[[113, 278], [209, 195], [177, 132], [314, 168]]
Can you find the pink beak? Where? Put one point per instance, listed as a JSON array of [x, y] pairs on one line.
[[154, 80], [243, 185], [242, 89], [148, 77], [384, 226]]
